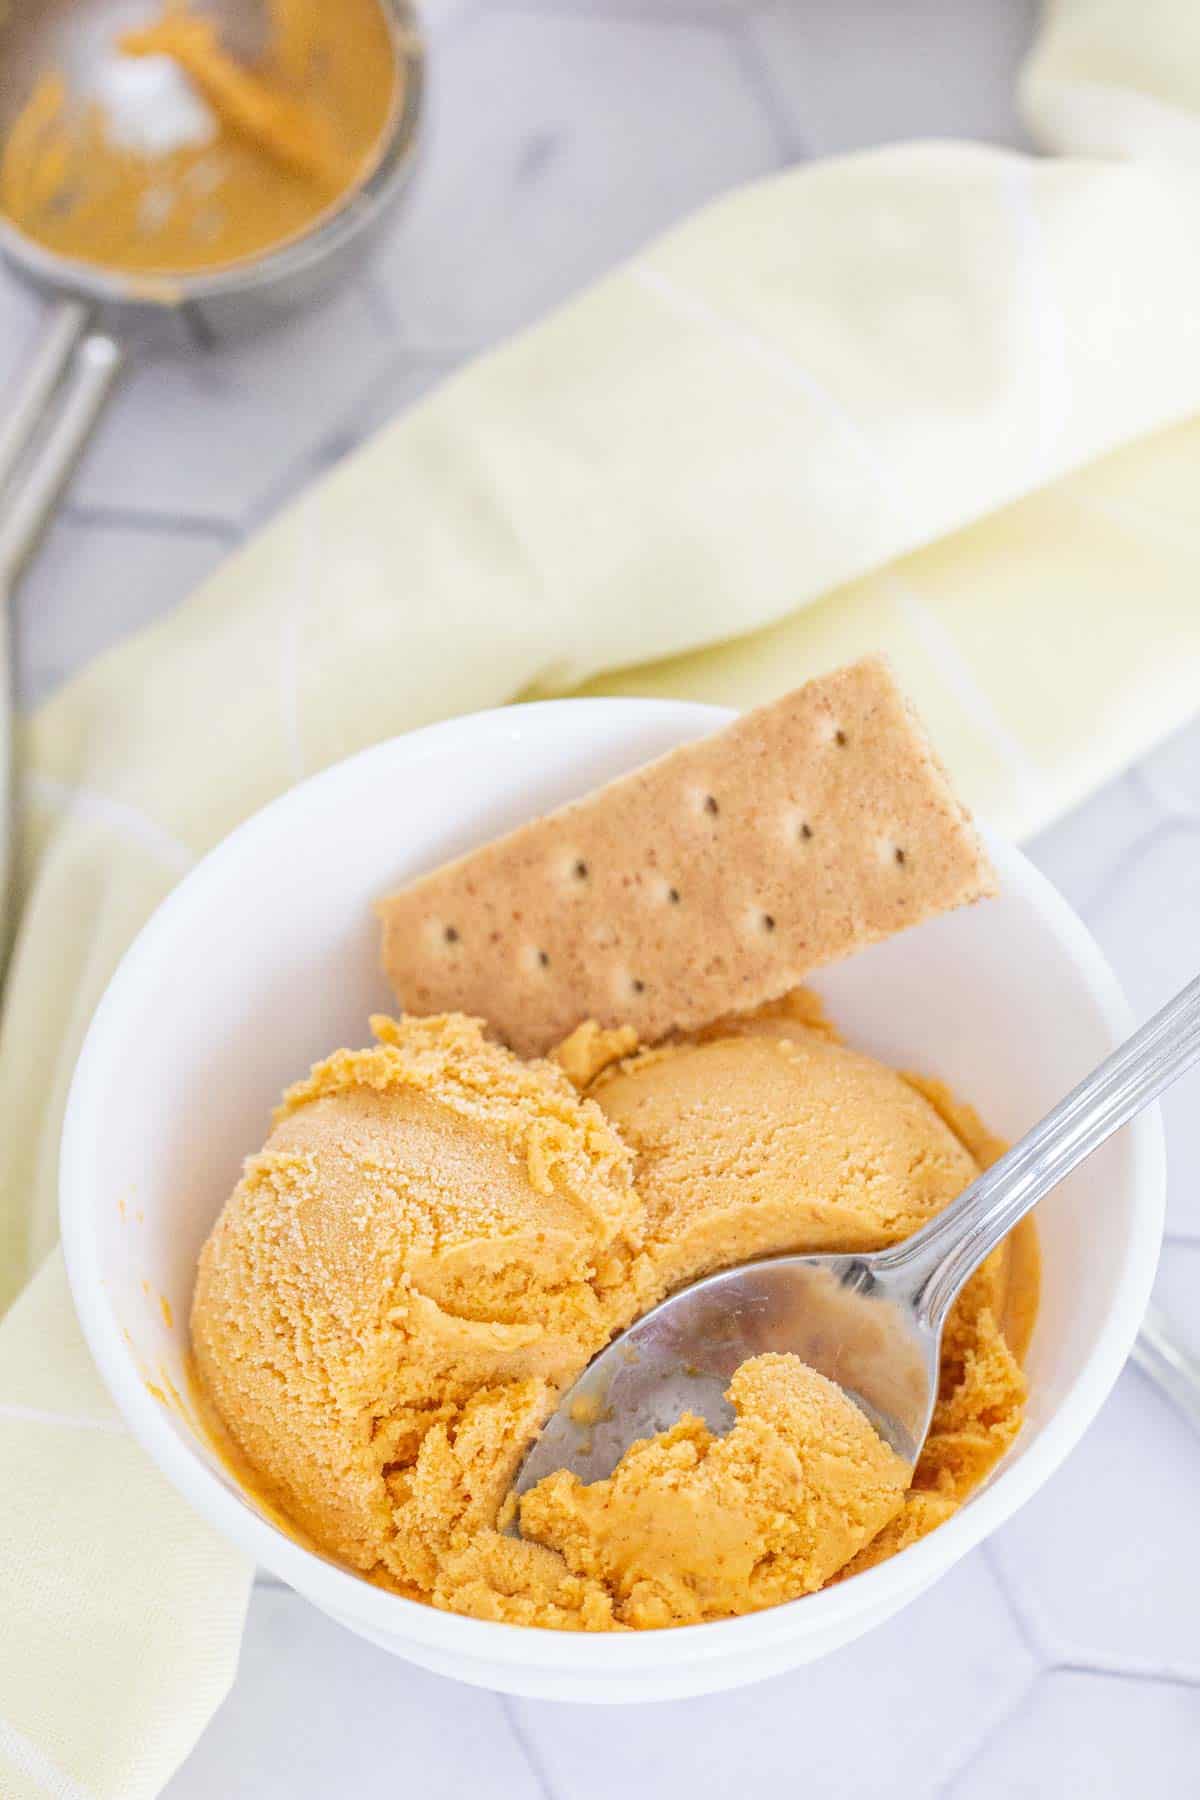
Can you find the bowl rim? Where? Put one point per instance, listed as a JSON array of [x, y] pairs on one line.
[[357, 1602]]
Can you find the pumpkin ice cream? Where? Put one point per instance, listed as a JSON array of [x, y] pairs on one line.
[[690, 1526], [438, 1237], [435, 1238], [765, 1134], [179, 152]]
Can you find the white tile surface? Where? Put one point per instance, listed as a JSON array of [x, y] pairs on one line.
[[1084, 854], [1100, 1563], [206, 434], [557, 146], [1083, 1735], [562, 134], [318, 1714], [21, 313], [932, 1682], [394, 386], [1177, 1291], [1129, 861], [1172, 775], [1145, 918], [93, 583], [862, 72]]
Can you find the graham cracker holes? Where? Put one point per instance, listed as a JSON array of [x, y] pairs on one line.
[[758, 922], [443, 939]]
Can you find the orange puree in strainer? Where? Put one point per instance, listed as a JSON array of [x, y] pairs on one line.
[[292, 134]]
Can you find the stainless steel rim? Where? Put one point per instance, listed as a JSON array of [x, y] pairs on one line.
[[332, 234]]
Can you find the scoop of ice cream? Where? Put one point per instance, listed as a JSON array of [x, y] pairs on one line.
[[429, 1245], [692, 1527], [766, 1134], [775, 1137], [437, 1237]]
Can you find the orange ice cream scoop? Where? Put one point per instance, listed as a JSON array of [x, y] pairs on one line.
[[771, 1137], [692, 1527], [426, 1248], [437, 1238]]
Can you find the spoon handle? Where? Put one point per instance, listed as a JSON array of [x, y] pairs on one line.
[[939, 1259]]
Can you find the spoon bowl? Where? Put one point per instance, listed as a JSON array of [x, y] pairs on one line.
[[838, 1314]]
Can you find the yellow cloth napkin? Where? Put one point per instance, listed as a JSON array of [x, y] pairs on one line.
[[939, 400]]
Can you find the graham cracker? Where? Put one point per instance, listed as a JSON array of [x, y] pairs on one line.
[[708, 882]]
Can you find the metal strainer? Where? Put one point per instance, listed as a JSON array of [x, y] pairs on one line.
[[97, 316]]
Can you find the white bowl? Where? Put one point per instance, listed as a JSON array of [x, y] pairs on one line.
[[265, 958]]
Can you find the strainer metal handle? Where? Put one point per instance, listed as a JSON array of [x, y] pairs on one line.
[[66, 325], [55, 411]]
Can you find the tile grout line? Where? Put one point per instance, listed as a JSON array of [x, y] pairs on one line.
[[1126, 1672], [377, 302], [341, 442], [132, 518], [945, 1788], [1112, 1668], [1166, 825], [1006, 1714], [1087, 1671], [381, 310], [405, 360], [790, 141], [526, 1746], [1174, 805], [1026, 1630]]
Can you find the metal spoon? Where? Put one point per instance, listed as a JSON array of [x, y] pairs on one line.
[[872, 1323]]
